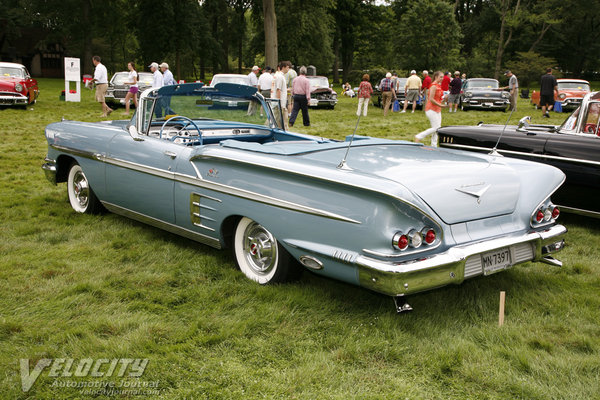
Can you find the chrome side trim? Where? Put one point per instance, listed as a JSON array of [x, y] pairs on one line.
[[478, 148], [167, 226], [75, 152], [324, 179], [260, 198], [135, 166]]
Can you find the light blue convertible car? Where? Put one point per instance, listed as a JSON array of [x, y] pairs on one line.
[[213, 164]]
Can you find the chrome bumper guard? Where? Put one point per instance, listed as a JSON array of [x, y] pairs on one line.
[[49, 168], [404, 278], [15, 99]]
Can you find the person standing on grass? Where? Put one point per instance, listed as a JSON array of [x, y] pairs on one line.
[[387, 93], [301, 96], [279, 89], [548, 87], [426, 84], [133, 87], [101, 80], [433, 109], [454, 95], [513, 87], [364, 95], [412, 90]]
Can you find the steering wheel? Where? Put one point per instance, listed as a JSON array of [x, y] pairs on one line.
[[189, 121], [590, 128]]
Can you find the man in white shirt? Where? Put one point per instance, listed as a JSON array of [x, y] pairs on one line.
[[264, 82], [279, 88], [157, 83], [252, 76], [101, 79], [167, 75], [157, 77]]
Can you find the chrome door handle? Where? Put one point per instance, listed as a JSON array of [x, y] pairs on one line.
[[170, 154]]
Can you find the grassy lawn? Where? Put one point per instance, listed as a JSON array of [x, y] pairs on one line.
[[104, 287]]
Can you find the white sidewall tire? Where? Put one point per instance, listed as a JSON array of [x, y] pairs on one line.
[[247, 262], [76, 179]]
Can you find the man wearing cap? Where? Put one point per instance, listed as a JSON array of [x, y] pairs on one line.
[[513, 87], [454, 95], [412, 88], [167, 75], [101, 79], [252, 76], [426, 85]]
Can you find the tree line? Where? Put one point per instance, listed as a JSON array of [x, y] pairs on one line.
[[341, 38]]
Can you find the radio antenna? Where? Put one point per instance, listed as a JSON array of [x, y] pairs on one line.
[[342, 164], [494, 151]]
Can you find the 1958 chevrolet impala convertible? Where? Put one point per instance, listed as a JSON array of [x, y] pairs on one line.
[[214, 164]]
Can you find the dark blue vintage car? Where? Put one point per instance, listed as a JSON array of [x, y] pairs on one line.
[[483, 94], [214, 164]]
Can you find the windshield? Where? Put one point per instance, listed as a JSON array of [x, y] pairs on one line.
[[483, 84], [212, 105], [120, 78], [317, 82], [12, 72], [574, 86], [237, 79]]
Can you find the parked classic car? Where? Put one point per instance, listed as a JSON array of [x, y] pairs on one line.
[[17, 87], [574, 147], [117, 88], [363, 210], [570, 93], [321, 95], [230, 78], [483, 94]]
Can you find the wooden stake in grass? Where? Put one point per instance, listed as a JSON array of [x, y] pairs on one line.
[[501, 313]]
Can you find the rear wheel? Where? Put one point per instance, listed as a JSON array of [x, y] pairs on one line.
[[81, 195], [260, 256]]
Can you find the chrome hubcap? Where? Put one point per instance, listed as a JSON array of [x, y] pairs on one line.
[[260, 249], [81, 189]]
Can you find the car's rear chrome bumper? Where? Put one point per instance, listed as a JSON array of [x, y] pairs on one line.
[[456, 264]]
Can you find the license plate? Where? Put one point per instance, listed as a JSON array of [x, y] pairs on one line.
[[488, 104], [232, 104], [314, 102], [496, 260]]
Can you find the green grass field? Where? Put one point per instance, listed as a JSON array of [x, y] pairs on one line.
[[104, 287]]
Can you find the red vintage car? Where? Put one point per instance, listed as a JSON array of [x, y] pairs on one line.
[[570, 93], [16, 85]]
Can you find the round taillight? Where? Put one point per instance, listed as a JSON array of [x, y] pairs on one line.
[[416, 238], [555, 212], [400, 241], [547, 214], [429, 236], [539, 216]]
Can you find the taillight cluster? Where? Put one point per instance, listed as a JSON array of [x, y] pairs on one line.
[[545, 214], [414, 238]]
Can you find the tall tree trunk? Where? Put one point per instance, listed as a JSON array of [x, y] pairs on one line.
[[336, 59], [86, 9], [270, 18], [502, 44], [545, 28]]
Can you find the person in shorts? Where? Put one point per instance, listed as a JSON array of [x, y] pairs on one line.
[[101, 80], [133, 87], [548, 86], [412, 89], [454, 95]]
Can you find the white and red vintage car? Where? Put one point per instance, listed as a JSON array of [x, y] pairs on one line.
[[16, 85]]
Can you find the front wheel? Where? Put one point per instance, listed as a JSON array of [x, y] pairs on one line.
[[81, 195], [260, 257]]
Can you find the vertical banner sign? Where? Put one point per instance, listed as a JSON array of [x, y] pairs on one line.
[[72, 74]]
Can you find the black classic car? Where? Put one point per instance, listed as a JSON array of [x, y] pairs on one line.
[[574, 147], [484, 94], [117, 88]]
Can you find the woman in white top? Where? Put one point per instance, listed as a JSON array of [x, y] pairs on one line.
[[133, 88]]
